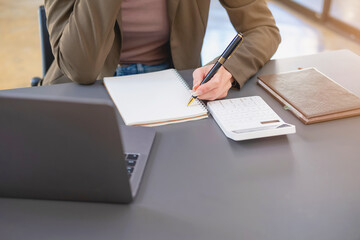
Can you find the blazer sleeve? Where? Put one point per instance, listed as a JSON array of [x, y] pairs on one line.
[[81, 35], [261, 37]]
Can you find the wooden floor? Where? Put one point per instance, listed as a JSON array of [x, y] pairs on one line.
[[20, 57]]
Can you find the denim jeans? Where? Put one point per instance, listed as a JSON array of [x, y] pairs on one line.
[[136, 68]]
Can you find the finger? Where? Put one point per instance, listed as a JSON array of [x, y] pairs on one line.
[[216, 93], [211, 95], [207, 87], [221, 78], [199, 74], [218, 81]]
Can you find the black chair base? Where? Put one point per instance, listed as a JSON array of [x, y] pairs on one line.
[[35, 81]]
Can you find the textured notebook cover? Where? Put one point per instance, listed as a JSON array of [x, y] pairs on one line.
[[312, 96]]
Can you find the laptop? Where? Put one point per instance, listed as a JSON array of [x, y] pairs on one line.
[[72, 149]]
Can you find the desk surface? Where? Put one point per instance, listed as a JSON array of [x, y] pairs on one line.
[[302, 186]]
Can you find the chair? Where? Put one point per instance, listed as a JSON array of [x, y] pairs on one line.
[[46, 52]]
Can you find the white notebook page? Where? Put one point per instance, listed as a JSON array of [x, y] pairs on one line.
[[155, 98]]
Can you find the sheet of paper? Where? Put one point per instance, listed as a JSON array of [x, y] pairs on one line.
[[153, 98]]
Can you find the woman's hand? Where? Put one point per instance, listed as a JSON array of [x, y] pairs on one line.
[[215, 88]]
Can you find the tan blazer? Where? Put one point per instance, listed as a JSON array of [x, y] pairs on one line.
[[86, 38]]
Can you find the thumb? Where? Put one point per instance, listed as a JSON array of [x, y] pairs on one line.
[[197, 77]]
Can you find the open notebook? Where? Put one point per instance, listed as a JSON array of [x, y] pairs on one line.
[[153, 99]]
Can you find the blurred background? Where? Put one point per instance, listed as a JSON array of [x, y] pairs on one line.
[[306, 27]]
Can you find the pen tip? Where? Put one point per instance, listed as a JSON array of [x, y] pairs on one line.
[[191, 100]]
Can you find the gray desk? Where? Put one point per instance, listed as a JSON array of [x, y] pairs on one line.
[[201, 185]]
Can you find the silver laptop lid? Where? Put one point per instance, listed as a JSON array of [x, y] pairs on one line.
[[61, 148]]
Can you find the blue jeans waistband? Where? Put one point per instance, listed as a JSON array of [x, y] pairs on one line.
[[136, 68]]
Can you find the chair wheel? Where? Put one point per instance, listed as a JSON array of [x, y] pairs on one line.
[[35, 81]]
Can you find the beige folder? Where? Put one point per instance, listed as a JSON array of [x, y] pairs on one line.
[[311, 96]]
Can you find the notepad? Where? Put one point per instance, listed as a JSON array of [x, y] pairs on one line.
[[311, 95], [153, 99]]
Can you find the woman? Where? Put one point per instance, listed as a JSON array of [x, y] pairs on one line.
[[94, 39]]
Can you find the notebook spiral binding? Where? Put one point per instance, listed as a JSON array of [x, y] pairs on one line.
[[185, 85]]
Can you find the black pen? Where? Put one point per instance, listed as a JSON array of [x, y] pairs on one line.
[[234, 44]]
